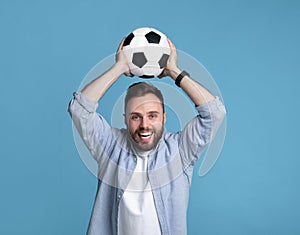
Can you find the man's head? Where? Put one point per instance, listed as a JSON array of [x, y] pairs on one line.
[[144, 115]]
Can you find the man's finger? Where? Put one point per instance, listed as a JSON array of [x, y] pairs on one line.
[[128, 74], [121, 45], [163, 74], [172, 46]]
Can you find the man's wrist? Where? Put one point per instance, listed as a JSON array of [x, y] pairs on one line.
[[180, 77], [174, 73], [120, 67]]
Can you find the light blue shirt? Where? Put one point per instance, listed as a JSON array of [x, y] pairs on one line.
[[170, 164]]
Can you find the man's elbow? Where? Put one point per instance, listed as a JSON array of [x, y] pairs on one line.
[[71, 108], [222, 113]]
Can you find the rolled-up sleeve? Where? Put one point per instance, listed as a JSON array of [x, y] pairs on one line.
[[92, 127], [200, 131]]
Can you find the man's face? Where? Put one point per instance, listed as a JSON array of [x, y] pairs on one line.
[[145, 121]]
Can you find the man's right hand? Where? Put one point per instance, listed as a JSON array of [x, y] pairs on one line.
[[121, 59]]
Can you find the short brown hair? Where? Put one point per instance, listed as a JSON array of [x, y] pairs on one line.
[[142, 88]]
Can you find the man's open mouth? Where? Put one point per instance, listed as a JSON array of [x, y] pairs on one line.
[[145, 136]]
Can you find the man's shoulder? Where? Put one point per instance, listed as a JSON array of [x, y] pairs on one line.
[[171, 137]]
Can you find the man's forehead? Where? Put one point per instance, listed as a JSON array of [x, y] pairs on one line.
[[144, 102]]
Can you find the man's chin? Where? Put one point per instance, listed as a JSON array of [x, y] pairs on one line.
[[144, 146]]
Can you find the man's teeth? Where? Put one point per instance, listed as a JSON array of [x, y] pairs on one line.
[[145, 134]]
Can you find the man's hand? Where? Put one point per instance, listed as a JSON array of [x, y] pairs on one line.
[[198, 94], [97, 88], [121, 59], [171, 69]]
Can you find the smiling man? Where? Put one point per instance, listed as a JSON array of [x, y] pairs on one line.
[[144, 115], [144, 172]]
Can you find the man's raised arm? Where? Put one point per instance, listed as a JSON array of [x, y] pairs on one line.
[[97, 88], [198, 94]]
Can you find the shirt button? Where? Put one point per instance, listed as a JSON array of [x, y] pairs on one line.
[[135, 159], [119, 196]]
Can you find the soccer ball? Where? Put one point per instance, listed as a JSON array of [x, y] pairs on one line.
[[147, 51]]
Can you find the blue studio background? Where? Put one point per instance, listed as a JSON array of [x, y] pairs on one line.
[[251, 48]]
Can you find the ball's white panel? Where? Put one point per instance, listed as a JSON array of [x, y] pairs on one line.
[[141, 31], [137, 71], [164, 42], [128, 53], [151, 69], [138, 41], [153, 53]]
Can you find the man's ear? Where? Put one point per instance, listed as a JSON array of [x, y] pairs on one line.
[[165, 117], [125, 120]]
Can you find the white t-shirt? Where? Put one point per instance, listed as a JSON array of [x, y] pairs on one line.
[[137, 213]]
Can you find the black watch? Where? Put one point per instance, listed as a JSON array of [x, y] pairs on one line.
[[180, 77]]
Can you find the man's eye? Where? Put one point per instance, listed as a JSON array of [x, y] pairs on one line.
[[152, 116], [134, 117]]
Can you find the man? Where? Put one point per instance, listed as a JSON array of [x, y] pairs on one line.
[[144, 172]]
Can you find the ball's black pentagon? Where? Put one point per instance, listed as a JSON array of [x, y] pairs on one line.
[[163, 61], [153, 37], [146, 76], [139, 59], [128, 39]]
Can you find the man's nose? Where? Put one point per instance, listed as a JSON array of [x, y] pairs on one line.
[[144, 122]]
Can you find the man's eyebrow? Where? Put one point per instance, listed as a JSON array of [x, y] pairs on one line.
[[150, 112], [135, 113], [153, 112]]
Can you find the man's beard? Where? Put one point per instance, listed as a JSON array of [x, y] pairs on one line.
[[156, 134]]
